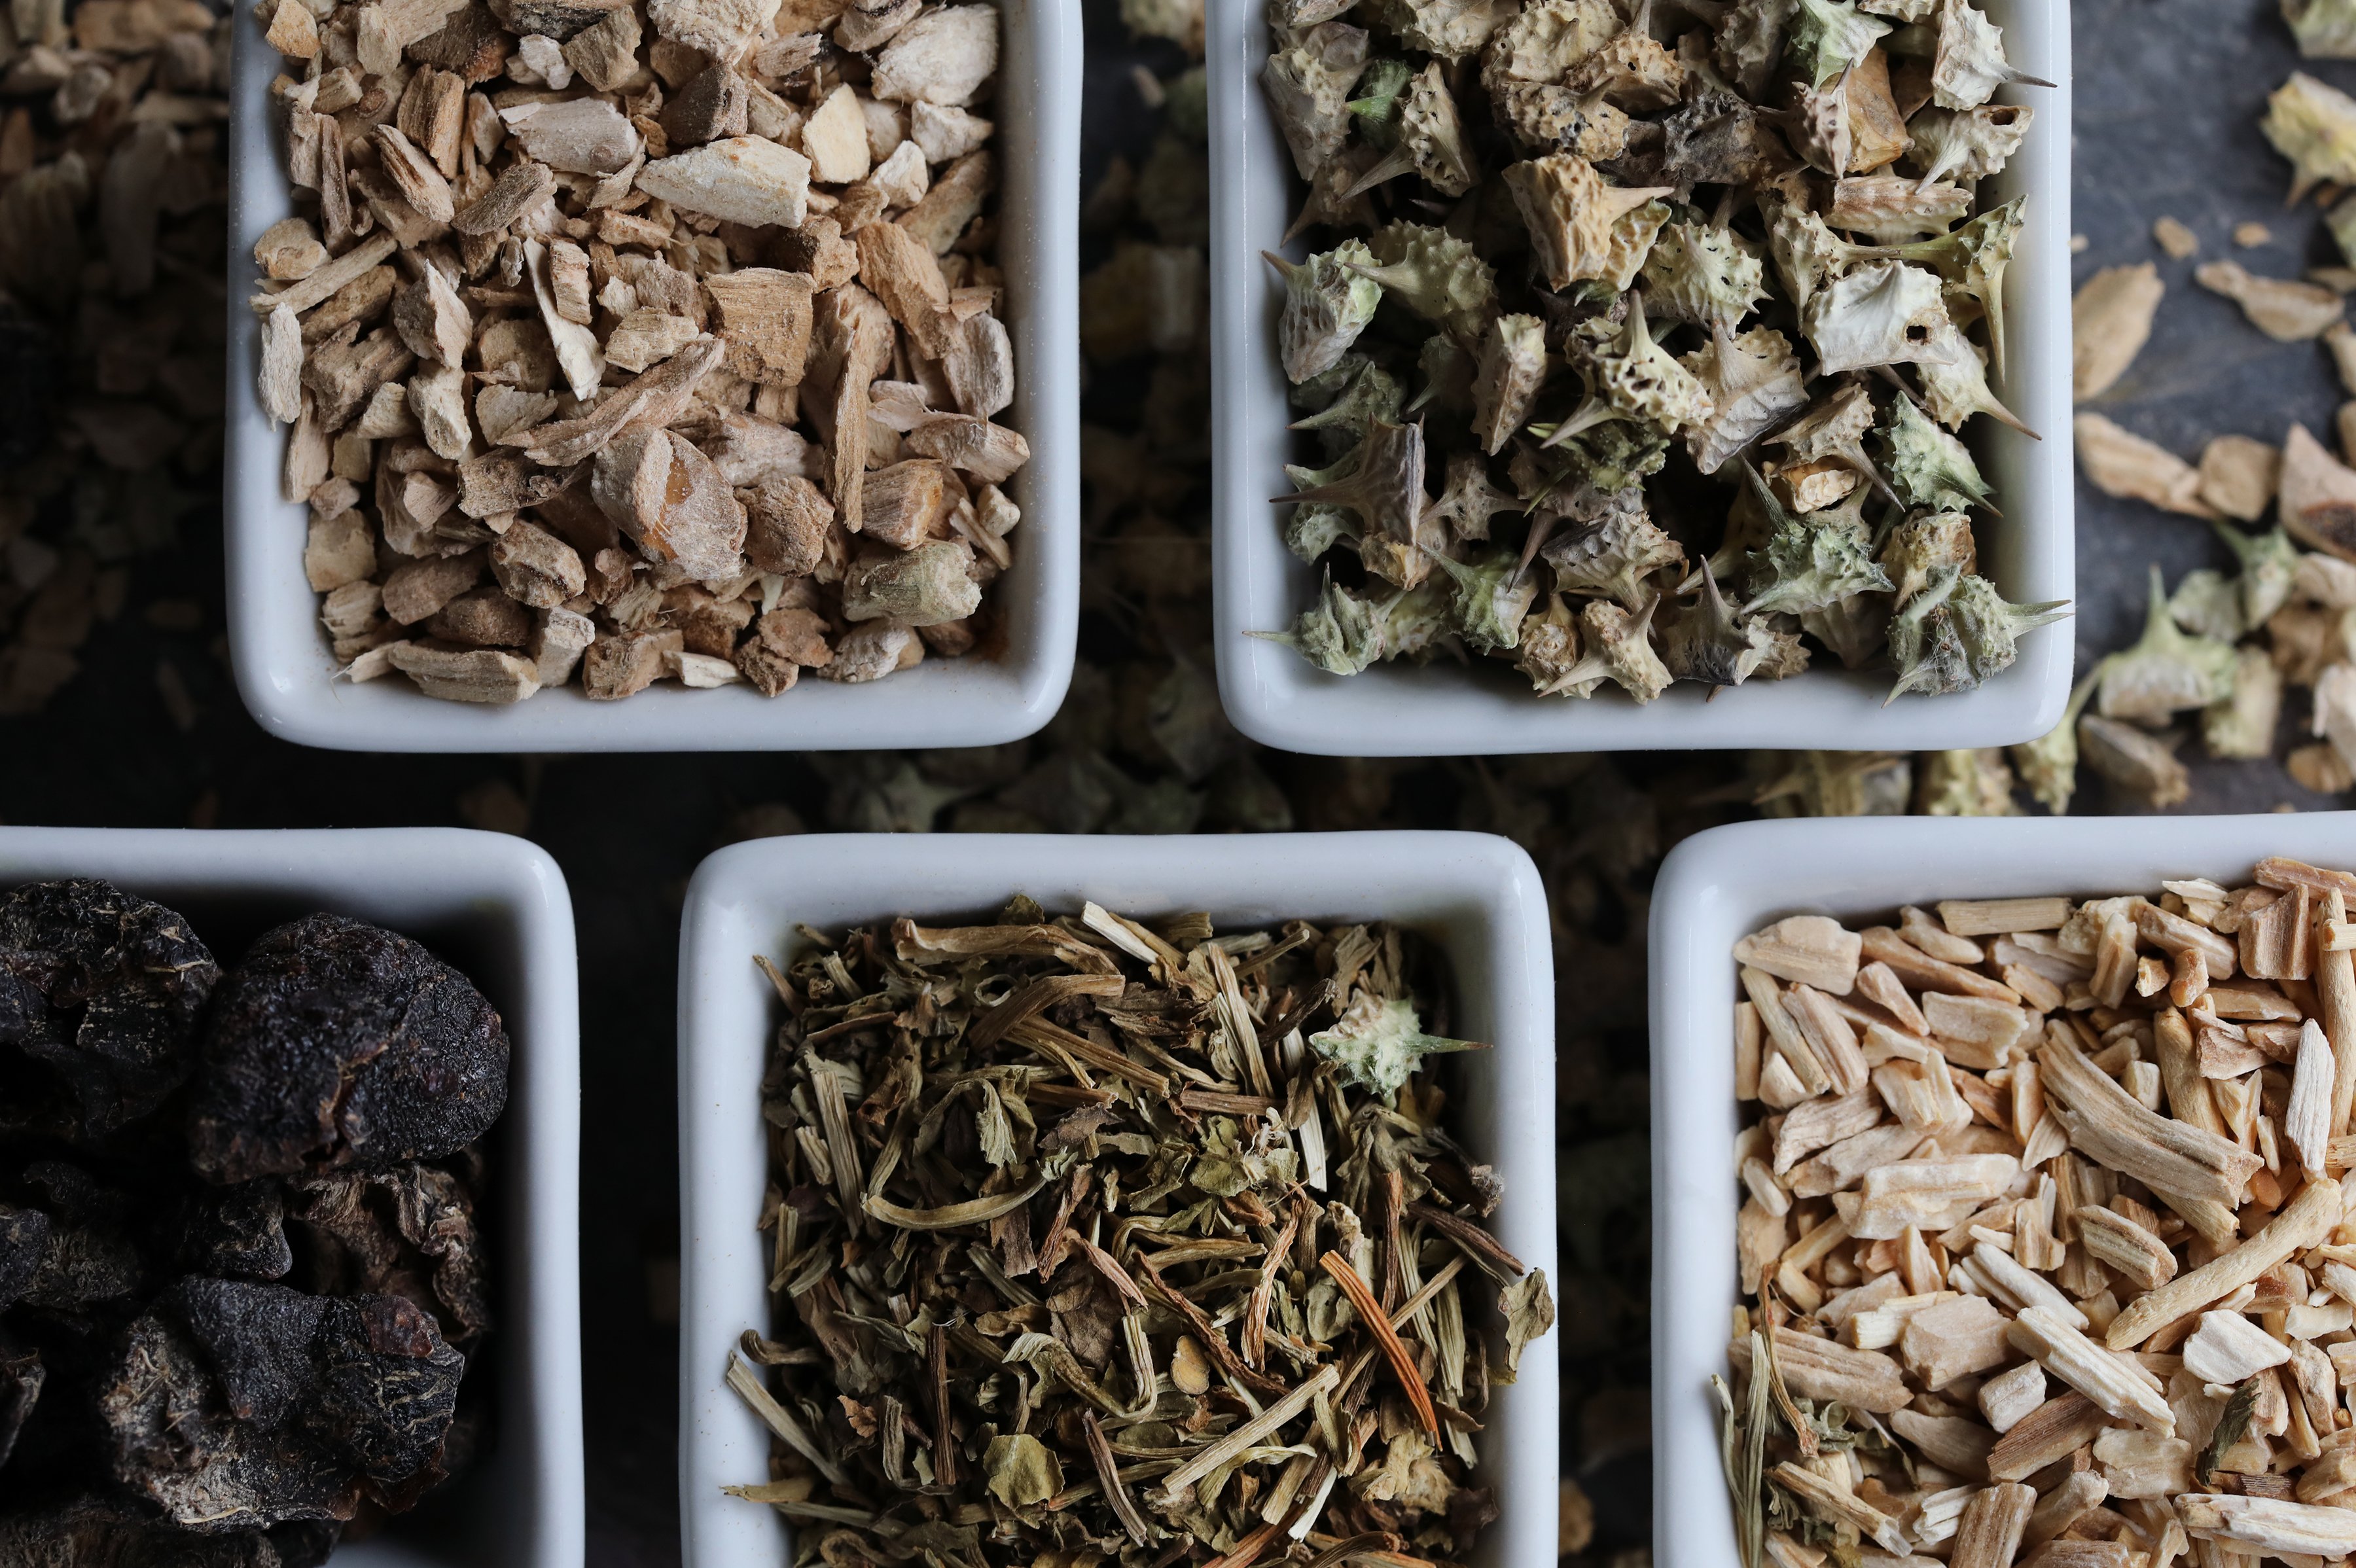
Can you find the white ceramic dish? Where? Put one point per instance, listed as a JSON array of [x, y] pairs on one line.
[[497, 908], [1280, 699], [287, 671], [1721, 884], [1478, 897]]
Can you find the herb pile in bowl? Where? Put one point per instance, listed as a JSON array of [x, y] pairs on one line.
[[1637, 347]]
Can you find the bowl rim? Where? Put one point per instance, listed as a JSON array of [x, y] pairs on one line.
[[1726, 882], [537, 1465], [287, 677], [745, 898], [1275, 697]]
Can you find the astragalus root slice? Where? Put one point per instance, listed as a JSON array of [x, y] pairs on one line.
[[2067, 1280], [661, 289]]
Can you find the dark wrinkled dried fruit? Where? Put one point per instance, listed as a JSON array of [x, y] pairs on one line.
[[237, 1406], [24, 1237], [88, 1256], [236, 1231], [409, 1231], [101, 1532], [21, 1377], [335, 1043], [99, 996]]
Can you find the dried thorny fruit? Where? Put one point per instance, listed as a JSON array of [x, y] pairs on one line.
[[1308, 79], [1708, 643], [1827, 37], [1697, 272], [1380, 478], [100, 992], [1883, 314], [1149, 1188], [335, 1043], [1435, 275], [1511, 368], [1957, 633], [2048, 765], [1328, 301], [1340, 633], [1928, 467], [1739, 222], [2313, 126], [2326, 29], [2166, 671], [1613, 555], [1810, 560], [1491, 597], [1635, 375], [1429, 139]]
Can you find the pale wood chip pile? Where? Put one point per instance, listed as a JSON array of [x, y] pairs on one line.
[[2045, 1196], [640, 341], [111, 192]]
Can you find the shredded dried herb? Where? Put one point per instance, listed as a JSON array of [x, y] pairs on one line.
[[1145, 1241]]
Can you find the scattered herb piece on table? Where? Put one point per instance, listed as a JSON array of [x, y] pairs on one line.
[[1150, 1241]]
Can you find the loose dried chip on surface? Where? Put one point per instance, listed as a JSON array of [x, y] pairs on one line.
[[1143, 1242], [640, 341], [241, 1271], [2044, 1246]]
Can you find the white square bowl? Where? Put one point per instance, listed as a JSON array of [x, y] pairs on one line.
[[1280, 699], [497, 908], [1478, 899], [1719, 886], [287, 673]]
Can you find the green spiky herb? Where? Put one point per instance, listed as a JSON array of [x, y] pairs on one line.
[[1958, 633], [1491, 597], [1327, 303], [1339, 633], [1927, 467]]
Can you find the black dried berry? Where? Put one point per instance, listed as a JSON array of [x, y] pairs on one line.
[[409, 1231], [237, 1232], [236, 1406], [99, 996], [337, 1043], [21, 1377], [24, 1239], [93, 1531]]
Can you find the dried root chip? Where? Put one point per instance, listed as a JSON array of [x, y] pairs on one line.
[[2285, 310], [2110, 321], [2120, 463]]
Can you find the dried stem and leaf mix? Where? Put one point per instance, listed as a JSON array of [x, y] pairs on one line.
[[241, 1271], [1581, 251], [2044, 1252], [1109, 1241], [640, 341]]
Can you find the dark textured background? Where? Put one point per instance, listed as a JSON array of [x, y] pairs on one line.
[[2167, 94]]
